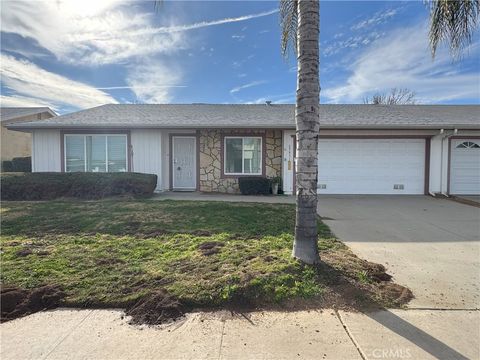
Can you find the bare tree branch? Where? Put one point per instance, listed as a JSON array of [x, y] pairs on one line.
[[394, 97]]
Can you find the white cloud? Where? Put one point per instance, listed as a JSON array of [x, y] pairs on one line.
[[28, 80], [246, 86], [152, 82], [199, 25], [22, 101], [98, 31], [402, 59], [287, 98], [378, 18], [94, 33], [351, 42], [238, 37]]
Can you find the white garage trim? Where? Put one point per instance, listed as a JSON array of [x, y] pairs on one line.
[[464, 165], [373, 165]]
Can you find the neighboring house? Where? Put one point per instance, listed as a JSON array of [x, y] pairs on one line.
[[14, 143], [363, 149]]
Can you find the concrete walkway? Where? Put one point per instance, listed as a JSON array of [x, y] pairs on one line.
[[199, 196], [105, 334]]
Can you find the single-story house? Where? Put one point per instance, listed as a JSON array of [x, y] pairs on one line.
[[14, 143], [363, 149]]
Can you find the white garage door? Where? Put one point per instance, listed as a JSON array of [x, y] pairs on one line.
[[465, 167], [371, 166]]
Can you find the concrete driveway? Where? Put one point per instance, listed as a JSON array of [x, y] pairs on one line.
[[430, 245]]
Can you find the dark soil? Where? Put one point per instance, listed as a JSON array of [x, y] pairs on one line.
[[109, 261], [157, 308], [17, 302], [210, 247], [24, 252]]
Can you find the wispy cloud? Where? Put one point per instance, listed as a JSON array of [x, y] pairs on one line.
[[76, 35], [378, 18], [25, 101], [402, 59], [28, 80], [286, 98], [202, 24], [352, 42], [146, 87], [238, 37], [246, 86], [143, 79], [99, 31]]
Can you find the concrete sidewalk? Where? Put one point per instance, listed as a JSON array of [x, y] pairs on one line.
[[199, 196], [105, 334]]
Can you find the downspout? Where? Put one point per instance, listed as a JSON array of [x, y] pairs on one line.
[[444, 137]]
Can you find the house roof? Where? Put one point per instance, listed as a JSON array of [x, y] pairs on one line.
[[12, 113], [262, 116]]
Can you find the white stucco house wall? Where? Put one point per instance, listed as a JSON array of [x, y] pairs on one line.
[[363, 149], [14, 143]]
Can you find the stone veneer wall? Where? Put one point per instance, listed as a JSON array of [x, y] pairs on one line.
[[211, 179]]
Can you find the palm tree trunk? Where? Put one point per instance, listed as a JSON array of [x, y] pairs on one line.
[[307, 124]]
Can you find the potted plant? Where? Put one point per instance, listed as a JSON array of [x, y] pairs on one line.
[[275, 184]]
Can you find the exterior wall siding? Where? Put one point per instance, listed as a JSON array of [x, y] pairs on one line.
[[18, 143], [146, 153], [439, 159], [46, 155], [210, 167]]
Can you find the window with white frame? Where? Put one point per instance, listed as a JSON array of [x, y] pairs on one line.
[[242, 155], [96, 153]]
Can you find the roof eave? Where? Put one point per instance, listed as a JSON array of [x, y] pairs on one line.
[[23, 127]]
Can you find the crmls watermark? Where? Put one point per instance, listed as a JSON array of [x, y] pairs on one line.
[[395, 353]]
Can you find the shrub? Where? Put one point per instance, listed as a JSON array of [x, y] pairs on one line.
[[18, 164], [22, 164], [47, 186], [7, 166], [254, 185]]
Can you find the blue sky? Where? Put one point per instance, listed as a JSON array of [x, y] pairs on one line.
[[71, 55]]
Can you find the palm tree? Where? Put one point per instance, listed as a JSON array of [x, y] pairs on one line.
[[453, 21], [300, 25]]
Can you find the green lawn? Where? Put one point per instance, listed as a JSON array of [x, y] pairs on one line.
[[207, 254]]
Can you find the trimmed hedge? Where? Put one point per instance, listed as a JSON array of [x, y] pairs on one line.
[[18, 164], [48, 186], [7, 166], [254, 185]]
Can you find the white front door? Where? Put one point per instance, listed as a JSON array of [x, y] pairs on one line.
[[288, 161], [465, 167], [184, 165]]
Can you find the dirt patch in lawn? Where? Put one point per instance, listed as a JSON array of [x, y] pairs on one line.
[[210, 247], [157, 308], [16, 302]]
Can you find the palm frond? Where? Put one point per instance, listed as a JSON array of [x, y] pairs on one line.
[[288, 25], [454, 22]]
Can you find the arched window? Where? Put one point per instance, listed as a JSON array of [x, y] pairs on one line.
[[468, 145]]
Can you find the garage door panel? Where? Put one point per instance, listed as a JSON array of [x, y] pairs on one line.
[[371, 166], [465, 167]]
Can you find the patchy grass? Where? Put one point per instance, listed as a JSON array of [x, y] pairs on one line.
[[206, 254]]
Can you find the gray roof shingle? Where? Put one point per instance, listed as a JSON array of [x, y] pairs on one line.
[[11, 113], [263, 116]]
